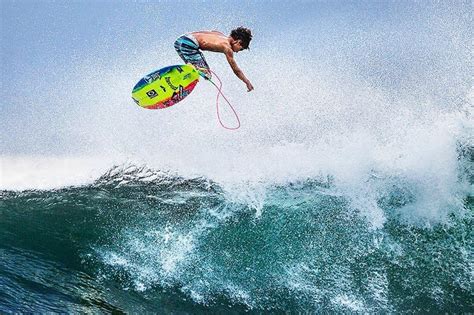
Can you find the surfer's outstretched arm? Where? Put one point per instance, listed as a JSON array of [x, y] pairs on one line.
[[233, 64]]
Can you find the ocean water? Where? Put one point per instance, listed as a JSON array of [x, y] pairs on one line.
[[348, 188], [138, 240]]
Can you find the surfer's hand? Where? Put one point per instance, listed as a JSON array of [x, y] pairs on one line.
[[249, 86]]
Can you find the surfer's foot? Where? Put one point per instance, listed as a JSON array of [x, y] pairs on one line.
[[205, 73]]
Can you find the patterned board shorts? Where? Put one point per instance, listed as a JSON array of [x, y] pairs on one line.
[[187, 48]]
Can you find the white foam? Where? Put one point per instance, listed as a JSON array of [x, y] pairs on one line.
[[42, 172]]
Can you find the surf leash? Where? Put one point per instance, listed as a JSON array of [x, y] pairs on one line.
[[219, 93]]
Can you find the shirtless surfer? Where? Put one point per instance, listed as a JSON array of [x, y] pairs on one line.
[[189, 48]]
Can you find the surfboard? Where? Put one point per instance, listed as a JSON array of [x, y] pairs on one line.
[[165, 87]]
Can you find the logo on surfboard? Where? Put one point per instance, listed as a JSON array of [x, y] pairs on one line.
[[168, 80], [152, 94], [152, 77]]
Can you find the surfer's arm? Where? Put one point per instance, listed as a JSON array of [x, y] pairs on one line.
[[233, 64]]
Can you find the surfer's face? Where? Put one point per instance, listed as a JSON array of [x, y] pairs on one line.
[[237, 46]]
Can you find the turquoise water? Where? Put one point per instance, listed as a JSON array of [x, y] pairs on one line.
[[141, 240]]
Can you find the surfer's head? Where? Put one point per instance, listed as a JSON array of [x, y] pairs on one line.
[[242, 37]]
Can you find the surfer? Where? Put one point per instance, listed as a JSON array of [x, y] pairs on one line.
[[189, 48]]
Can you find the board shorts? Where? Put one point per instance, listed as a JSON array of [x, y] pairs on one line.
[[187, 48]]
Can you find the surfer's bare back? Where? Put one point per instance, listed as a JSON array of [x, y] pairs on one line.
[[189, 48]]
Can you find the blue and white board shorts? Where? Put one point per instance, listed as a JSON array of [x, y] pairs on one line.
[[187, 48]]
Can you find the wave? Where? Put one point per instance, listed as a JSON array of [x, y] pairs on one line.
[[155, 236]]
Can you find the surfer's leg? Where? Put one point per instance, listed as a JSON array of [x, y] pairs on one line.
[[200, 63], [187, 48]]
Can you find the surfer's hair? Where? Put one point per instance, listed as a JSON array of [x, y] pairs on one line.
[[243, 34]]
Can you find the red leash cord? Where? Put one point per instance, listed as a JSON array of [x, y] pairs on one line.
[[219, 89]]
